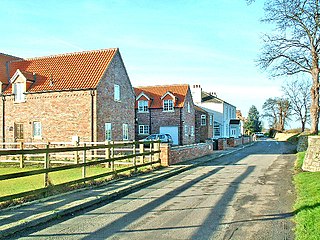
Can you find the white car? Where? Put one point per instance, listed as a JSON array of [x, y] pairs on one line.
[[259, 134]]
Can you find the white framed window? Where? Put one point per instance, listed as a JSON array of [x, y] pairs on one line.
[[142, 106], [144, 129], [116, 92], [192, 130], [37, 129], [186, 130], [19, 92], [125, 131], [188, 108], [203, 120], [108, 131], [167, 105], [211, 120]]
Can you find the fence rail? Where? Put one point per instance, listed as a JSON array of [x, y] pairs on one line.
[[111, 154]]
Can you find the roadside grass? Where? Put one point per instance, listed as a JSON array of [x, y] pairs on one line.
[[307, 206]]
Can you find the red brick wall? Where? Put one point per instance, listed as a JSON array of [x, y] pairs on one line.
[[62, 115], [111, 111]]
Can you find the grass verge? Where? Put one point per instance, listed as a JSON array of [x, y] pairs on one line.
[[307, 206]]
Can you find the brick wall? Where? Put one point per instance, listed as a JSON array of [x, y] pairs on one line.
[[62, 115], [171, 155], [115, 112]]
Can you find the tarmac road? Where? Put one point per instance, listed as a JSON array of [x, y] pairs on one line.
[[244, 195]]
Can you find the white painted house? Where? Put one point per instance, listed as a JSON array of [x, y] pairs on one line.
[[225, 122]]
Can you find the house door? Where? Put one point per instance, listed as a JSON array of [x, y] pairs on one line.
[[18, 132], [173, 131]]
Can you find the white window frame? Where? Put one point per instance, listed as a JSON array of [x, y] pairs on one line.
[[125, 132], [217, 130], [203, 120], [37, 129], [108, 131], [144, 129], [117, 95], [188, 107], [192, 130], [168, 105], [143, 106], [19, 89], [211, 120], [186, 130]]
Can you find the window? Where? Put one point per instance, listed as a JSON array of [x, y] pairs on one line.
[[19, 92], [192, 130], [217, 131], [186, 130], [211, 120], [37, 131], [167, 105], [18, 131], [144, 129], [188, 107], [203, 120], [142, 106], [108, 131], [125, 131], [116, 92]]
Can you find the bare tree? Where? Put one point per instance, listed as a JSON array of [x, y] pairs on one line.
[[294, 47], [278, 111], [298, 93]]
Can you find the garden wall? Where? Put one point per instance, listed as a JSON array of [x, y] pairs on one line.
[[171, 155], [311, 161]]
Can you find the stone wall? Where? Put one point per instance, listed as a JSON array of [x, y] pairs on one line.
[[302, 144], [312, 158]]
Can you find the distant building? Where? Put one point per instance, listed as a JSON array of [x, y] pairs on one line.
[[225, 122], [165, 109]]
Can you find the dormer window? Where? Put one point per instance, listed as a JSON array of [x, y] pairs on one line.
[[168, 105], [142, 106], [19, 92]]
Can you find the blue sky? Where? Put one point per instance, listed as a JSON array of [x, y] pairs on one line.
[[213, 43]]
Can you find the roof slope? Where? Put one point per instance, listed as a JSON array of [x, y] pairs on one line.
[[4, 58], [156, 92], [71, 71]]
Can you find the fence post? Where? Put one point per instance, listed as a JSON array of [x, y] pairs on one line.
[[156, 148], [141, 148], [134, 150], [21, 156], [112, 156], [46, 166], [76, 153], [108, 153], [84, 161], [151, 154]]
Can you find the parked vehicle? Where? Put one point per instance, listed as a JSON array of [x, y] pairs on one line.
[[259, 134], [164, 138]]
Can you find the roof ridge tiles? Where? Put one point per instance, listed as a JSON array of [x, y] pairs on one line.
[[68, 54], [166, 85]]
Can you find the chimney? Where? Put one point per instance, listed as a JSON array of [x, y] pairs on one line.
[[196, 93]]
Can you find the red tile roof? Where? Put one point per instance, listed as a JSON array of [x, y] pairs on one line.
[[156, 92], [4, 58], [71, 71]]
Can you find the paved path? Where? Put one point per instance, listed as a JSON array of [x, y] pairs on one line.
[[244, 195]]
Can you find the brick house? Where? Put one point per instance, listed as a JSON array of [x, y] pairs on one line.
[[204, 124], [165, 109], [84, 94]]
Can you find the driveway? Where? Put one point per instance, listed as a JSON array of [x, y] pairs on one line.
[[244, 195]]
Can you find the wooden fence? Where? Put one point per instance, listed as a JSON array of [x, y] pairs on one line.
[[113, 155]]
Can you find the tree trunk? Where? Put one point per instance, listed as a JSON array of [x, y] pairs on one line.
[[314, 108]]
